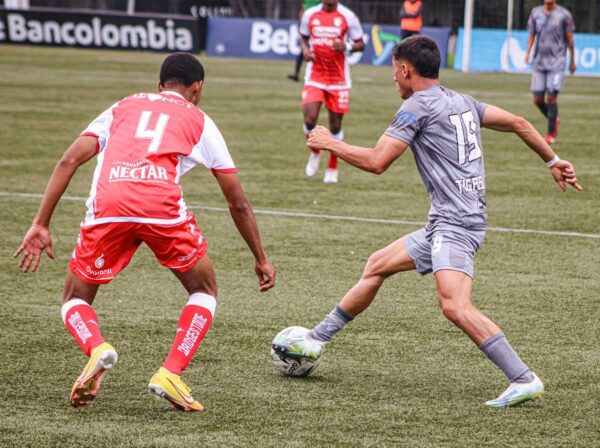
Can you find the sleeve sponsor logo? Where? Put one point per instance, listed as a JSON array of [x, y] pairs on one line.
[[404, 118]]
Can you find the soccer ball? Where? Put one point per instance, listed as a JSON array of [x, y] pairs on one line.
[[288, 352]]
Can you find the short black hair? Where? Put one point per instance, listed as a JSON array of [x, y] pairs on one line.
[[181, 68], [422, 53]]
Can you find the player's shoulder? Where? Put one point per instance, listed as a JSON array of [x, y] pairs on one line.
[[537, 11], [564, 11], [346, 12], [313, 10]]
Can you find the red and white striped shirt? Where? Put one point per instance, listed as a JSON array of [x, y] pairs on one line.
[[146, 142]]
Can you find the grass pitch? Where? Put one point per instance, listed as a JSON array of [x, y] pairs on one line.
[[399, 375]]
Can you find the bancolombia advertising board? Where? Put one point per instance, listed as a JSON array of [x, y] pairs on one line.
[[278, 39], [102, 30]]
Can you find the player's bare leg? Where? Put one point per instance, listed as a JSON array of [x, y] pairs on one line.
[[81, 321], [201, 284], [454, 294], [335, 127], [311, 115], [381, 265]]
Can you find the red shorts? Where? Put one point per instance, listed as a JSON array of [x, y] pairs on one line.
[[337, 101], [104, 250]]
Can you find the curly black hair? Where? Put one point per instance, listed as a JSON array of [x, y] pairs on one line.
[[181, 68]]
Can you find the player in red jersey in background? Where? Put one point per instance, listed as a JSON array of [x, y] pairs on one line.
[[143, 144], [324, 31]]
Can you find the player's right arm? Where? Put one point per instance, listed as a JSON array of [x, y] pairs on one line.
[[531, 40], [305, 37], [500, 120], [38, 237], [245, 221], [374, 160]]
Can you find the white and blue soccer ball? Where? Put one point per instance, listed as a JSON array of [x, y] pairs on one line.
[[294, 354]]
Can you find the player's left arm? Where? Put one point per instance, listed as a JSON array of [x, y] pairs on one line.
[[500, 120], [569, 28], [374, 160], [355, 33], [245, 221], [37, 239], [571, 44]]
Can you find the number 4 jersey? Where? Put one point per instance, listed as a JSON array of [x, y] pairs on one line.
[[146, 142], [443, 129]]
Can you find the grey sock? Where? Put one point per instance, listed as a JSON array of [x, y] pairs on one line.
[[332, 323], [503, 355]]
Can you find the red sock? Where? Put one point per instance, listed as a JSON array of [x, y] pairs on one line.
[[333, 162], [316, 151], [194, 322], [81, 321]]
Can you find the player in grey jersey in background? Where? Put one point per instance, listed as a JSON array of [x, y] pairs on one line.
[[442, 127], [551, 27]]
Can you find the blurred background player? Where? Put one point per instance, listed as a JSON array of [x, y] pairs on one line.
[[551, 27], [324, 33], [411, 18], [304, 5], [442, 127], [143, 144]]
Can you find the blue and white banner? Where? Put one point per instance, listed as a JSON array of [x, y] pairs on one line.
[[279, 39], [495, 50]]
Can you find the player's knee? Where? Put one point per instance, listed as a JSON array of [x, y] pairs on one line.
[[452, 310], [538, 100], [375, 267], [551, 99]]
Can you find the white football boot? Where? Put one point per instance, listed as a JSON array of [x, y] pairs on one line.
[[331, 176], [312, 166], [517, 393]]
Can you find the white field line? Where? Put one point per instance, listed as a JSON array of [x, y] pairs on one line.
[[334, 217]]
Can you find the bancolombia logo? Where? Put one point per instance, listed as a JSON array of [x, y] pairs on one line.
[[87, 30]]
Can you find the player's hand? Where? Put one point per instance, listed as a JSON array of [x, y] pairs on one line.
[[564, 174], [338, 45], [308, 55], [319, 138], [37, 239], [266, 275], [572, 67], [527, 58]]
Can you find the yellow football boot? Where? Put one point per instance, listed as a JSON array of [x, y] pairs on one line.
[[165, 384], [103, 358]]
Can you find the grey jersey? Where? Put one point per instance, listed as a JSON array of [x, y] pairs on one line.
[[443, 130], [551, 37]]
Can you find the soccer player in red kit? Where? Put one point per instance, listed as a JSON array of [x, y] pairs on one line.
[[143, 145], [325, 30]]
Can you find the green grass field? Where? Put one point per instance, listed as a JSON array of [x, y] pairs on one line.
[[400, 374]]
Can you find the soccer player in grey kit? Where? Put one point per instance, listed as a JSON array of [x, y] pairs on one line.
[[553, 27], [442, 127]]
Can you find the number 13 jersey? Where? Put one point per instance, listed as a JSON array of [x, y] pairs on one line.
[[146, 142], [443, 129]]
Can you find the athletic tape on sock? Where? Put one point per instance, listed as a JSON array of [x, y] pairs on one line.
[[203, 300], [64, 310]]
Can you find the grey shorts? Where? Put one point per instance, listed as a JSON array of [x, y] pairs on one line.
[[547, 81], [444, 247]]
